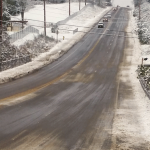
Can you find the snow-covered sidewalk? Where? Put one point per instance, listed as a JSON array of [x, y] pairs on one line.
[[131, 127], [86, 18]]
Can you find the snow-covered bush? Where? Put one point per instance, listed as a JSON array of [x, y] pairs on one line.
[[143, 32], [39, 45], [11, 56], [6, 17]]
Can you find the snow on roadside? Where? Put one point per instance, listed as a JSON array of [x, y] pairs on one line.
[[30, 36], [131, 127], [92, 17]]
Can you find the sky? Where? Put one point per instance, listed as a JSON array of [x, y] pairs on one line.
[[123, 3]]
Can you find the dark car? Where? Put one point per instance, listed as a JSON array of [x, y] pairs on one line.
[[105, 19]]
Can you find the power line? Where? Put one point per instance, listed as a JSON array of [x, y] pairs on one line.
[[64, 7], [94, 32], [42, 15], [41, 10], [72, 26], [50, 11]]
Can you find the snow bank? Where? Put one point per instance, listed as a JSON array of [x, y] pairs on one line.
[[131, 127], [93, 14], [30, 36], [144, 49]]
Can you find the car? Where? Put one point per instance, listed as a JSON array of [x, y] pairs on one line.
[[100, 25], [109, 16], [128, 6], [108, 4], [105, 19], [114, 9], [108, 13]]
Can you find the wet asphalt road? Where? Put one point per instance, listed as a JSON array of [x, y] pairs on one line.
[[70, 104]]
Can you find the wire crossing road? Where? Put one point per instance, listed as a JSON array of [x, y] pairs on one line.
[[70, 104]]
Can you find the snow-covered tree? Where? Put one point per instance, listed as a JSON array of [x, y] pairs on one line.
[[13, 7], [6, 15]]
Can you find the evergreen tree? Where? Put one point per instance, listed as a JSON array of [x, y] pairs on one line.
[[6, 15]]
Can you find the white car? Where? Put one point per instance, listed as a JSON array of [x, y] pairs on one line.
[[109, 16], [100, 25]]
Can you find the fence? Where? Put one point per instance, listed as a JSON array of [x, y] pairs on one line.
[[4, 65], [21, 34]]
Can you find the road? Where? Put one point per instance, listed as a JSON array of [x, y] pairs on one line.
[[69, 104]]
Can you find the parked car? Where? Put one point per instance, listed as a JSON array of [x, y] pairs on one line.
[[128, 6], [114, 9], [100, 25]]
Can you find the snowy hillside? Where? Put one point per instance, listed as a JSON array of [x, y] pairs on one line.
[[54, 13]]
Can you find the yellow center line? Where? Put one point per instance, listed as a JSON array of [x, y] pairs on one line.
[[55, 80]]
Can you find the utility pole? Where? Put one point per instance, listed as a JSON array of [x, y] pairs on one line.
[[140, 10], [85, 2], [44, 20], [79, 4], [1, 18], [22, 16], [69, 7]]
